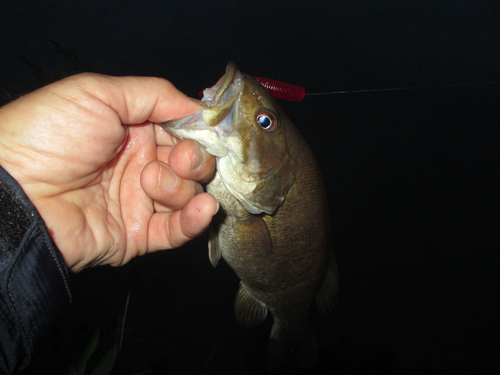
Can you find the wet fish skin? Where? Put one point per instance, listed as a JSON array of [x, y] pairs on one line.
[[273, 227]]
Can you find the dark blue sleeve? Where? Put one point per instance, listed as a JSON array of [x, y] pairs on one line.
[[33, 277]]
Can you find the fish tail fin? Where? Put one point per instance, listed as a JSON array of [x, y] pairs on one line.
[[327, 293], [286, 352]]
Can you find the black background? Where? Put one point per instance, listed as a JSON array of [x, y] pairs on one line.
[[412, 174]]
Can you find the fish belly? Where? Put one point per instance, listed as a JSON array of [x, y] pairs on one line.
[[279, 270]]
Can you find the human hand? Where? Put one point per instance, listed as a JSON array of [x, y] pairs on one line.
[[108, 192]]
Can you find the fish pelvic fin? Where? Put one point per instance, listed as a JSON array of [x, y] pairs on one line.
[[248, 309], [327, 293], [214, 250]]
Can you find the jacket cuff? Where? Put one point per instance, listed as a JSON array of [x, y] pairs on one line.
[[34, 280]]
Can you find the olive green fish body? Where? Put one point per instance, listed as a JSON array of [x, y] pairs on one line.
[[273, 227]]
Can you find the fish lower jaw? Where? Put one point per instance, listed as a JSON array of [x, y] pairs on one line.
[[208, 138]]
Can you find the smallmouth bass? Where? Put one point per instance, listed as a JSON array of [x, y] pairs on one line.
[[273, 226]]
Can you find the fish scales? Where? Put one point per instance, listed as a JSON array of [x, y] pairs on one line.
[[273, 226]]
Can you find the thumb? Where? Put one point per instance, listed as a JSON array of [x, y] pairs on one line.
[[137, 99]]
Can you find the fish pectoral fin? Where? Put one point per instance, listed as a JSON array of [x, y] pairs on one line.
[[254, 231], [248, 309], [214, 251], [327, 293]]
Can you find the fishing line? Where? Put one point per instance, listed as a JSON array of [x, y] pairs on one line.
[[296, 93], [404, 88]]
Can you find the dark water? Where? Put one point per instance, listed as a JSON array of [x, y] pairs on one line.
[[414, 201], [412, 177]]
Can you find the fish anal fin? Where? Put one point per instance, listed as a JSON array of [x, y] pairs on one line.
[[327, 293], [248, 309]]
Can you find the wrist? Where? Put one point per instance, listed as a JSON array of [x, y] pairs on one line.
[[34, 285]]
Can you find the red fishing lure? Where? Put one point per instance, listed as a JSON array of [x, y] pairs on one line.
[[280, 90]]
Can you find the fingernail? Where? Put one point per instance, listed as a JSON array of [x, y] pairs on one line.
[[167, 180], [198, 158], [217, 208]]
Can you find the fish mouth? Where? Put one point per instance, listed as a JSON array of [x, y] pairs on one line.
[[224, 82], [213, 122], [221, 97]]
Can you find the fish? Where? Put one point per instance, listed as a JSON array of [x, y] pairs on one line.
[[273, 225]]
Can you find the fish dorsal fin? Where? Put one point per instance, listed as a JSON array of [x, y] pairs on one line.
[[327, 293], [249, 310]]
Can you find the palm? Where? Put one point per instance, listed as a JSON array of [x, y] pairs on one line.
[[83, 173]]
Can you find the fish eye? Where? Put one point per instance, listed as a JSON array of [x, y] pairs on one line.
[[267, 121]]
